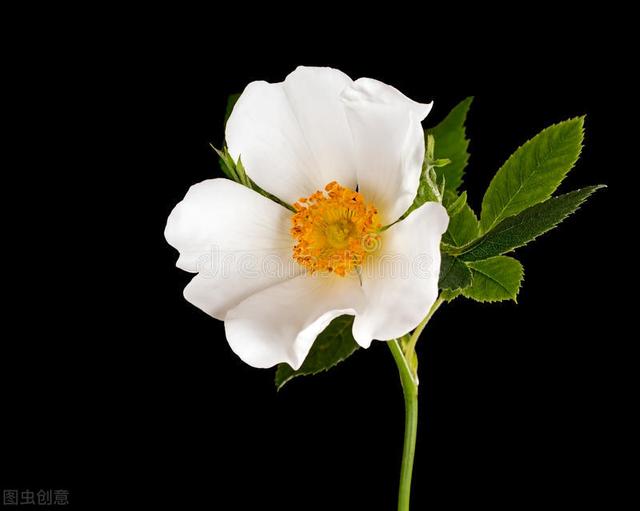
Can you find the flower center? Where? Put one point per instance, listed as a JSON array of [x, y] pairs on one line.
[[334, 230]]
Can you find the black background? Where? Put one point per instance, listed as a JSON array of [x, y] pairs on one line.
[[117, 389]]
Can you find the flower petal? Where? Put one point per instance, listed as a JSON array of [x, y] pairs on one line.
[[293, 136], [389, 144], [401, 282], [280, 323], [237, 240]]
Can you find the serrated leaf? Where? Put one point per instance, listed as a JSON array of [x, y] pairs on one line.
[[331, 347], [231, 102], [454, 273], [533, 172], [495, 279], [452, 144], [463, 223], [449, 295], [517, 231]]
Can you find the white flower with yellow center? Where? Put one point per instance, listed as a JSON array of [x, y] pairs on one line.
[[348, 156]]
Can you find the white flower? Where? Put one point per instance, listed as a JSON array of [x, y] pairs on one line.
[[276, 278]]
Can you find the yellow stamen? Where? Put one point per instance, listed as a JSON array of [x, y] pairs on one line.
[[334, 230]]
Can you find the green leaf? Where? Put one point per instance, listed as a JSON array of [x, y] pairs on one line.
[[231, 102], [449, 295], [454, 273], [452, 144], [519, 230], [463, 223], [495, 279], [533, 172], [330, 348]]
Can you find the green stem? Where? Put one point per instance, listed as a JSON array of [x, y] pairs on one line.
[[410, 390], [411, 346], [407, 363]]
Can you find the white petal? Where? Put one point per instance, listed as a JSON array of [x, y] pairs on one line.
[[280, 323], [237, 240], [389, 144], [293, 137], [401, 282]]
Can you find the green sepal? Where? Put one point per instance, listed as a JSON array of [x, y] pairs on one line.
[[431, 186], [236, 172]]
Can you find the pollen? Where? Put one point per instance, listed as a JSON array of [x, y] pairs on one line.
[[334, 230]]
